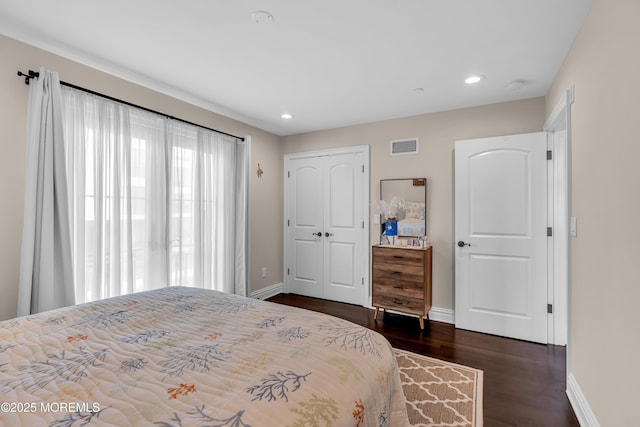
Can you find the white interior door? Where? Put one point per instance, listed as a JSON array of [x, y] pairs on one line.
[[344, 228], [501, 236], [305, 226], [326, 236]]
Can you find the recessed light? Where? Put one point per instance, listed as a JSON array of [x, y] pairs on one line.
[[286, 116], [474, 79]]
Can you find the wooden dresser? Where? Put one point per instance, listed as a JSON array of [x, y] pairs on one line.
[[401, 280]]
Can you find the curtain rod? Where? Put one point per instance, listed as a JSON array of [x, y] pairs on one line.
[[34, 75]]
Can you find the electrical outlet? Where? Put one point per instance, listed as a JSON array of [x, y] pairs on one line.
[[264, 271]]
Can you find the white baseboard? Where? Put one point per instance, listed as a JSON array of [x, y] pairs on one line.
[[268, 292], [581, 407], [445, 315]]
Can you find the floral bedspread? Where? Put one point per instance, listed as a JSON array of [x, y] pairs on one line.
[[192, 357]]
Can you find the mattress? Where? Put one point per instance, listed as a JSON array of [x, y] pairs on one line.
[[193, 357]]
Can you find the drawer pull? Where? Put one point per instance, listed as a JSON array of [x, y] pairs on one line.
[[398, 287], [395, 301], [398, 256], [396, 272]]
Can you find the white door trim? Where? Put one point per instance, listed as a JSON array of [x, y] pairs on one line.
[[558, 125], [364, 149], [560, 119]]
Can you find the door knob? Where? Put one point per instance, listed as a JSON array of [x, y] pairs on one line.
[[327, 234], [462, 244], [319, 234]]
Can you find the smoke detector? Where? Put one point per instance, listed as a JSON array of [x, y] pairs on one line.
[[261, 17], [516, 84]]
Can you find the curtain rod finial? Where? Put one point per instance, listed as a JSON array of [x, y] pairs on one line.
[[27, 77]]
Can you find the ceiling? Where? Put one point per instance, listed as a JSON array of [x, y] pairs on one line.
[[329, 63]]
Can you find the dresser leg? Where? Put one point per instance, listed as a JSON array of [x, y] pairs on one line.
[[421, 322], [375, 315]]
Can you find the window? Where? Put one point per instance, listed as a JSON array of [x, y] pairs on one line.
[[155, 202]]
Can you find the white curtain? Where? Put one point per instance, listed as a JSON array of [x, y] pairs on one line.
[[242, 216], [46, 278], [156, 202]]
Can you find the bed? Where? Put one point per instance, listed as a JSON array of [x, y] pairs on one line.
[[192, 357], [412, 221], [411, 227]]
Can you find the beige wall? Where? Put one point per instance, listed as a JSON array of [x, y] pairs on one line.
[[437, 134], [265, 194], [604, 65]]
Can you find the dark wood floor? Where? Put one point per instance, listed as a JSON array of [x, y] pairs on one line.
[[524, 383]]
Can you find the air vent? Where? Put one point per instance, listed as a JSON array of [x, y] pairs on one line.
[[404, 146]]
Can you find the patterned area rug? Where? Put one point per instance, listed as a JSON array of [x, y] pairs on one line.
[[440, 393]]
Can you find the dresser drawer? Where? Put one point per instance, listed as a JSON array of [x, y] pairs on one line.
[[398, 256], [403, 304], [398, 272], [413, 273], [405, 290]]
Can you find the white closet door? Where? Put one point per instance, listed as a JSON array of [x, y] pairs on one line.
[[343, 228], [305, 218], [326, 238]]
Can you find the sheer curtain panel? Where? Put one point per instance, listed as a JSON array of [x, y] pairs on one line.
[[243, 151], [46, 278], [156, 202]]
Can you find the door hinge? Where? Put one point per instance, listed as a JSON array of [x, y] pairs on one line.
[[288, 174], [287, 271], [549, 231], [362, 281], [362, 168], [550, 308], [549, 155], [363, 224]]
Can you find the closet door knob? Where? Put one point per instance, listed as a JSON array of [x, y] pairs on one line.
[[462, 244], [319, 234], [327, 234]]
